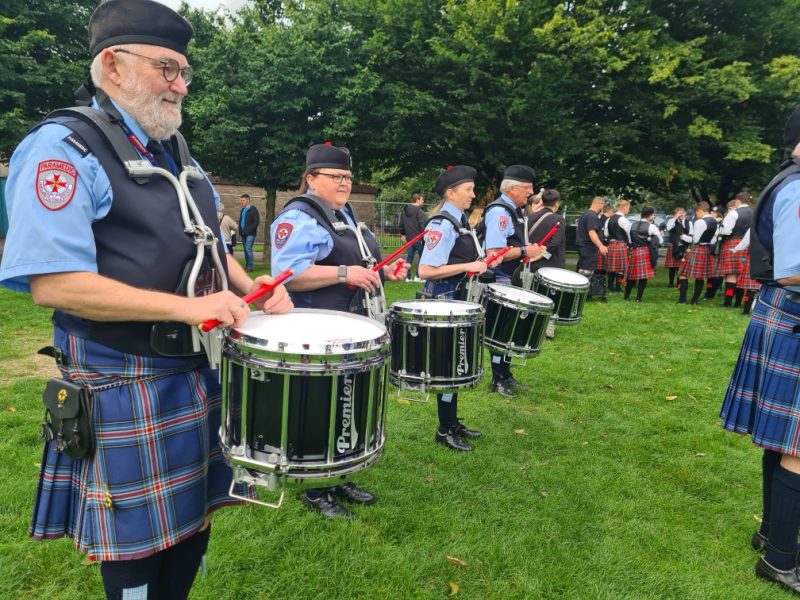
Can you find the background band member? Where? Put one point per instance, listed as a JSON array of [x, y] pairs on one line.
[[746, 283], [451, 251], [617, 232], [504, 224], [763, 397], [732, 229], [540, 223], [698, 264], [111, 273], [677, 225], [605, 215], [640, 266], [326, 261]]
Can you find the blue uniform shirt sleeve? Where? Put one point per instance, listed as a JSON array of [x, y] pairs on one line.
[[298, 241], [499, 227], [785, 236], [439, 242], [44, 240]]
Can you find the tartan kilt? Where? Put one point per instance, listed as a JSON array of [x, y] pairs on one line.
[[763, 397], [639, 266], [670, 261], [744, 280], [728, 262], [601, 261], [157, 470], [617, 258], [699, 263]]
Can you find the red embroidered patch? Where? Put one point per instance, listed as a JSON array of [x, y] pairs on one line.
[[433, 239], [282, 233], [502, 223], [56, 181]]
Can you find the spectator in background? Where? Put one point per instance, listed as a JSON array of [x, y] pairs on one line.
[[412, 222], [227, 228], [248, 227]]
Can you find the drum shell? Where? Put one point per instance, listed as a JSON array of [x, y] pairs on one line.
[[436, 352], [568, 298], [516, 327]]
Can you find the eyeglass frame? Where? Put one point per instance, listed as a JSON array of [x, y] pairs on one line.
[[165, 63], [335, 176]]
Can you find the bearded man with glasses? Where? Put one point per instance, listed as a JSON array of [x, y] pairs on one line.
[[107, 249]]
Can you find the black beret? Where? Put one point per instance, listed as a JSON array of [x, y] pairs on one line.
[[137, 22], [647, 211], [454, 176], [520, 173], [791, 132], [326, 155]]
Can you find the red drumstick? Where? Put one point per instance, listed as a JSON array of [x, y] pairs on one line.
[[389, 258], [544, 240], [491, 258], [250, 297], [399, 266]]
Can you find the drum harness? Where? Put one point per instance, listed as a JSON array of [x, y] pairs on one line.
[[110, 125], [474, 288]]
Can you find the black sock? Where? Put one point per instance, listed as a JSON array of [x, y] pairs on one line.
[[628, 287], [640, 288], [698, 289], [498, 370], [769, 460], [712, 286], [672, 272], [140, 574], [729, 285], [749, 298], [180, 566], [784, 519], [612, 278], [738, 294], [683, 289], [447, 410]]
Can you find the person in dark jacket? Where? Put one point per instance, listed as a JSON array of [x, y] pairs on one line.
[[248, 227], [541, 222], [412, 222]]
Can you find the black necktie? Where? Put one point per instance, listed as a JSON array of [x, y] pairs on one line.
[[340, 215], [464, 222], [159, 153]]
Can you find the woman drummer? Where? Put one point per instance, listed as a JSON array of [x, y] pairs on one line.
[[317, 236], [451, 250]]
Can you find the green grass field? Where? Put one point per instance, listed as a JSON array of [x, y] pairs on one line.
[[611, 478]]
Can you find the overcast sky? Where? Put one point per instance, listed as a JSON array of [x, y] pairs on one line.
[[232, 5]]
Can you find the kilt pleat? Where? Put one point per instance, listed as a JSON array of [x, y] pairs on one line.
[[617, 258], [157, 470], [728, 262], [763, 396], [639, 266], [744, 280], [601, 261], [699, 263], [670, 262]]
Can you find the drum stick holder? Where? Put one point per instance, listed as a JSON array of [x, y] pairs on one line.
[[270, 481], [399, 395]]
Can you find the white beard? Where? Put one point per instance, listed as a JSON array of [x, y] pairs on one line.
[[159, 120]]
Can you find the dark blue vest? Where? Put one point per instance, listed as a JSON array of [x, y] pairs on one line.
[[463, 250], [743, 221], [517, 239]]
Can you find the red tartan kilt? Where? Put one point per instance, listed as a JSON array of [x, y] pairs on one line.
[[744, 280], [639, 265], [671, 262], [729, 262], [699, 263], [601, 261], [617, 259]]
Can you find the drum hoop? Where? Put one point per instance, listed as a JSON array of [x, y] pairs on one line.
[[306, 364], [507, 300], [472, 311], [560, 285]]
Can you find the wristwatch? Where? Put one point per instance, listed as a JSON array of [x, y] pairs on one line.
[[523, 251], [342, 274]]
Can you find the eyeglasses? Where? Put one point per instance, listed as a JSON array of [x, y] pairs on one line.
[[170, 68], [338, 178]]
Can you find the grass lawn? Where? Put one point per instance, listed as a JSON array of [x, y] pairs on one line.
[[611, 478]]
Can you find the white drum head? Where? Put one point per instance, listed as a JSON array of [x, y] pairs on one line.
[[310, 331], [563, 276], [518, 295], [435, 308]]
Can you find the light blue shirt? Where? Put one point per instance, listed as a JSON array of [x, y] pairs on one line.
[[441, 238], [786, 232], [41, 240], [499, 225], [299, 241]]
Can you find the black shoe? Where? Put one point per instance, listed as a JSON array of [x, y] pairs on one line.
[[463, 431], [758, 541], [352, 493], [452, 441], [789, 579], [327, 504], [516, 385], [502, 387], [681, 302]]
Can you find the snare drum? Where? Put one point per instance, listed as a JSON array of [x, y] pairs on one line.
[[436, 344], [303, 394], [516, 320], [567, 289]]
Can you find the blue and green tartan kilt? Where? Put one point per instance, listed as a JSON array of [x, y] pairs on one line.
[[744, 281], [639, 266], [699, 263], [763, 397], [617, 258], [670, 262], [157, 470], [728, 262]]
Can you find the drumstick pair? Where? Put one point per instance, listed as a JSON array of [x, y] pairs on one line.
[[545, 239], [389, 258], [252, 296]]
